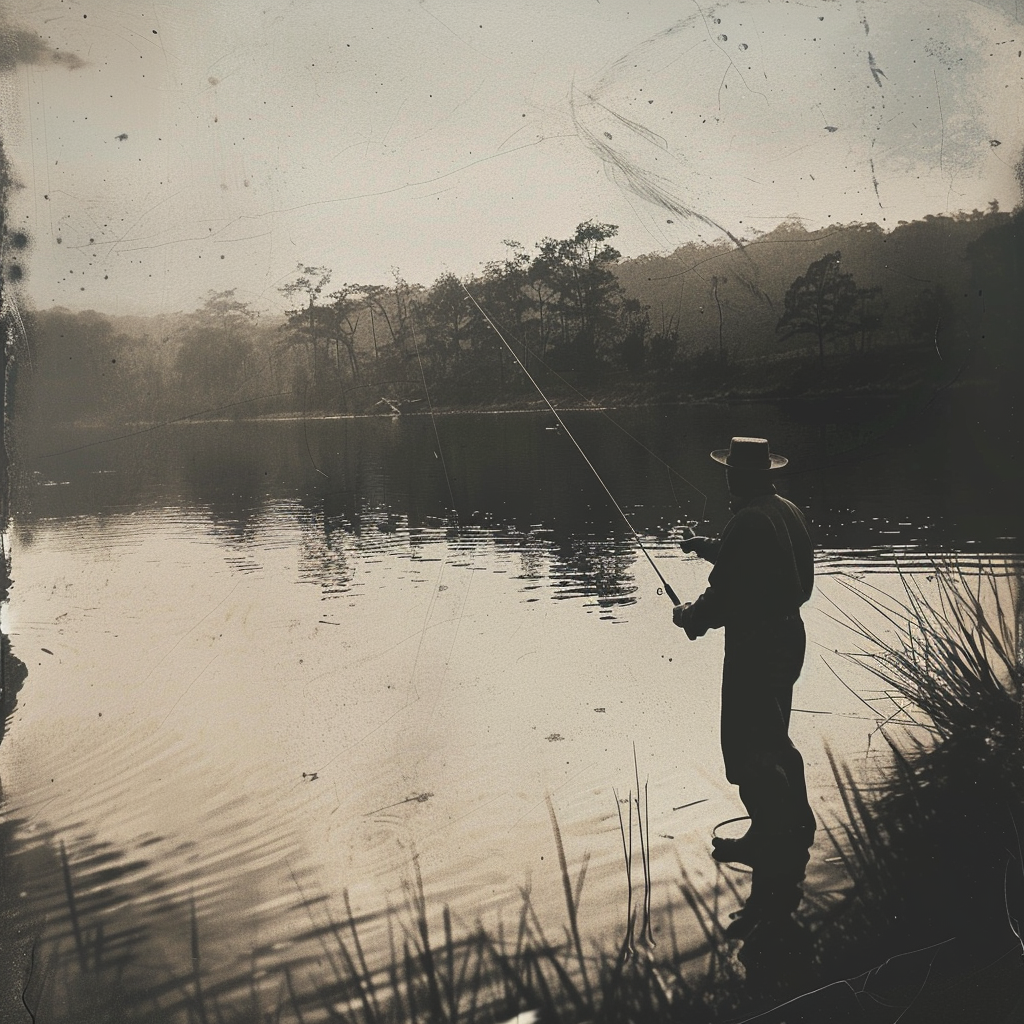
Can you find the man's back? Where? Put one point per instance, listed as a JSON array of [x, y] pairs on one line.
[[763, 568], [765, 565]]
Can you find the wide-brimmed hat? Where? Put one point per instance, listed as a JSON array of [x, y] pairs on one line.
[[749, 453]]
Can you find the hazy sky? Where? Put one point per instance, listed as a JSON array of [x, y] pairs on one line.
[[167, 149]]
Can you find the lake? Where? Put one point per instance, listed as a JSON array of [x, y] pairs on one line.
[[273, 663]]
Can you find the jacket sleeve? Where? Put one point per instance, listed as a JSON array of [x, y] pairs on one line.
[[703, 614], [739, 562]]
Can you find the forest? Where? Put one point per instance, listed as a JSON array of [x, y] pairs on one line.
[[790, 313]]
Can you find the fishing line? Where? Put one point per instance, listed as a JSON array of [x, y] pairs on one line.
[[654, 455], [668, 589], [727, 863]]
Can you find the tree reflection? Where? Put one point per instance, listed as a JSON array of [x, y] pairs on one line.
[[872, 473]]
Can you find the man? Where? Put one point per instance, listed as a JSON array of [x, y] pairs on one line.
[[763, 572]]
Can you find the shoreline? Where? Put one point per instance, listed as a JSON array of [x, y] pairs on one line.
[[603, 404]]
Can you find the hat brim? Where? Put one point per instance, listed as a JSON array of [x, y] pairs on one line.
[[722, 455]]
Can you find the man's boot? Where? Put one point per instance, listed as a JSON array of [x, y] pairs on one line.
[[780, 864]]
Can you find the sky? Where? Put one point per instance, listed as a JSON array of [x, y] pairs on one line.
[[166, 150]]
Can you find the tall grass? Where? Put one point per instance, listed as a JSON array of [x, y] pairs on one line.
[[952, 653], [934, 847], [431, 971]]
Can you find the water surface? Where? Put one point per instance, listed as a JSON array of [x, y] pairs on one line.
[[269, 661]]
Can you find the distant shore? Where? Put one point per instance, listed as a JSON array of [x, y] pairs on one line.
[[606, 396], [847, 382]]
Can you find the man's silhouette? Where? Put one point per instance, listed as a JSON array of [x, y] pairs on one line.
[[763, 572]]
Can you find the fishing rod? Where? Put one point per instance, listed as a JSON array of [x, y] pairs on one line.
[[668, 589]]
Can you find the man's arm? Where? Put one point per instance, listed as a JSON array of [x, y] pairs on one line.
[[738, 560], [703, 614], [703, 547]]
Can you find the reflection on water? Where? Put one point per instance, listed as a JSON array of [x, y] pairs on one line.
[[271, 662], [935, 476]]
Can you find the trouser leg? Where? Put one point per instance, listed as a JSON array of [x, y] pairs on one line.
[[774, 800], [792, 761], [760, 669], [803, 816], [779, 836]]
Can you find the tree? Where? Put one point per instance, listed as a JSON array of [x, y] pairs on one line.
[[869, 318], [662, 348], [303, 321], [543, 301], [822, 302], [342, 319], [996, 266], [215, 357], [72, 370], [635, 325], [932, 316], [445, 315], [505, 292], [377, 305], [578, 271]]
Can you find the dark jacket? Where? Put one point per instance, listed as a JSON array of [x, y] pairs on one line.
[[764, 568]]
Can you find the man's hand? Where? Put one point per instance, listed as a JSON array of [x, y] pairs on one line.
[[702, 547], [683, 616], [679, 615]]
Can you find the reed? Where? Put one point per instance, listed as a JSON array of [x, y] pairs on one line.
[[430, 974], [933, 847], [951, 652]]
